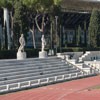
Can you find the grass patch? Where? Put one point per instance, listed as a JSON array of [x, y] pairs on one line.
[[95, 87]]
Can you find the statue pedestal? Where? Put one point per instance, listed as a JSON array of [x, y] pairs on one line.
[[42, 54], [21, 55], [51, 52]]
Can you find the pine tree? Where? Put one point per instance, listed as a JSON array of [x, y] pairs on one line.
[[18, 16], [18, 12], [94, 29]]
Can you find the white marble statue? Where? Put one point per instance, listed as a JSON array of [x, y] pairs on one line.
[[22, 43], [43, 43]]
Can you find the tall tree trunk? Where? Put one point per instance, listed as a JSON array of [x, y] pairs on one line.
[[0, 36], [6, 23], [51, 34], [33, 35], [41, 29], [12, 33]]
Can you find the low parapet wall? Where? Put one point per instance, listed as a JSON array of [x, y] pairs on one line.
[[93, 63]]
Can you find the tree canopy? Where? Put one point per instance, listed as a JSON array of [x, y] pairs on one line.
[[41, 6], [94, 28], [6, 3]]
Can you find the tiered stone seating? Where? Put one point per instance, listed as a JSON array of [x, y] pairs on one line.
[[16, 71]]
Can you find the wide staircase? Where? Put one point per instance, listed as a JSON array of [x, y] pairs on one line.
[[32, 72]]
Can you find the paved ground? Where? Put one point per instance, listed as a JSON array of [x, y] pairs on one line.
[[72, 90]]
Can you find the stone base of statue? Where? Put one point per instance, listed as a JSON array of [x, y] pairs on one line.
[[51, 52], [21, 55], [42, 54]]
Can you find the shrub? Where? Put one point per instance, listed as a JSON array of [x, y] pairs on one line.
[[12, 54]]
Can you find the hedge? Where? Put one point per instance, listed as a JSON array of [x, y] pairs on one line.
[[31, 53], [12, 54]]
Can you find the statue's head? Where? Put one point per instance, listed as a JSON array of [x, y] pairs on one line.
[[43, 35], [22, 35]]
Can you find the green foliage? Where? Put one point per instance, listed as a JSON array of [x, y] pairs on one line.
[[32, 53], [22, 17], [3, 3], [11, 54], [23, 9], [29, 2], [18, 12], [77, 49], [8, 54], [70, 49], [41, 6], [18, 21], [6, 3], [94, 28], [57, 2]]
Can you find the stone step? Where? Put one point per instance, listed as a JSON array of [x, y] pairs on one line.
[[30, 67], [34, 74], [33, 78], [24, 63], [33, 70], [5, 75]]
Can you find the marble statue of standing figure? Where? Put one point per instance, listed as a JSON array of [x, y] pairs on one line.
[[43, 42], [22, 43]]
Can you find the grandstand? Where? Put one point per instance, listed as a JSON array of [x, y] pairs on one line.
[[34, 72], [15, 74]]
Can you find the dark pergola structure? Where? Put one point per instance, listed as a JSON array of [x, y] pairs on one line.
[[79, 5], [73, 20], [75, 12]]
